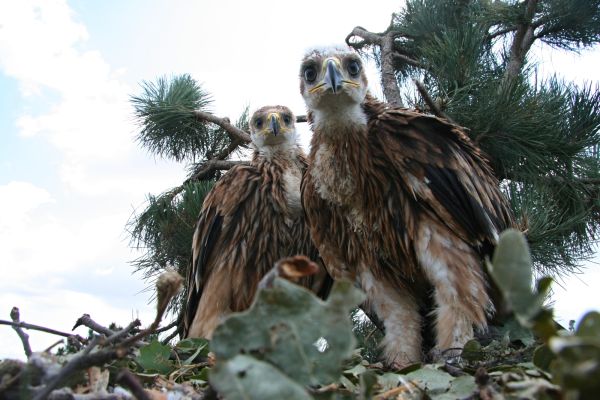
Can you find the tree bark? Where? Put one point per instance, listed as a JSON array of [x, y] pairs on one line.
[[524, 38], [385, 42], [388, 74]]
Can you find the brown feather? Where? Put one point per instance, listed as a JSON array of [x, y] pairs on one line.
[[402, 203], [246, 224]]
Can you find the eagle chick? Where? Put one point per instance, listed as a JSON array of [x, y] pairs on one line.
[[400, 202]]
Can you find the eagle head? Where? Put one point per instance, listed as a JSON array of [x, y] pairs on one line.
[[272, 126], [332, 79]]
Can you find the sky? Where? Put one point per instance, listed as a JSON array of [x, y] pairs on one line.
[[71, 172]]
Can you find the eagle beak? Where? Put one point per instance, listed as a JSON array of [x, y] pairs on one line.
[[333, 77], [274, 123]]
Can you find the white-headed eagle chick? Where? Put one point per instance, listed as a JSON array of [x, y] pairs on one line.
[[249, 220], [400, 202]]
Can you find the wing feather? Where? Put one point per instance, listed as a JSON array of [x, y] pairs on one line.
[[445, 172], [219, 226]]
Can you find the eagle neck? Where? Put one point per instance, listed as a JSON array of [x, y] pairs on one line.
[[334, 121], [340, 162], [284, 154]]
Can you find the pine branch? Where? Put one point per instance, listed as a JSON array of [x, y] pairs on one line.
[[210, 166], [407, 60], [385, 42], [524, 38], [500, 32], [432, 105], [223, 123]]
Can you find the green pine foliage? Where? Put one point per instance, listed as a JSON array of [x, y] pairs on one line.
[[542, 137], [169, 128], [164, 230]]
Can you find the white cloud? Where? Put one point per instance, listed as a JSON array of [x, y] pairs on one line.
[[17, 201], [42, 46]]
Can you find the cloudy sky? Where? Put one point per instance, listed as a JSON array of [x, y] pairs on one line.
[[71, 173]]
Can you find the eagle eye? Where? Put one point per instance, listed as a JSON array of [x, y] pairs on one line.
[[287, 119], [310, 74], [258, 123], [353, 67]]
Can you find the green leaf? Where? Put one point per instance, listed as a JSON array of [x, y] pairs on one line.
[[356, 370], [472, 351], [197, 347], [432, 380], [589, 325], [245, 378], [368, 379], [511, 269], [288, 322], [461, 387], [155, 358], [516, 332], [388, 381], [543, 357]]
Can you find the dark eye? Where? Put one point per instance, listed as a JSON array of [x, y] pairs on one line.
[[287, 119], [353, 67], [259, 123], [310, 74]]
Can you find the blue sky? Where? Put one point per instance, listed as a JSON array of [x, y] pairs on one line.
[[70, 171]]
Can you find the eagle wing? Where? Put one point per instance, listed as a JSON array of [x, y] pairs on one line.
[[224, 223], [444, 172]]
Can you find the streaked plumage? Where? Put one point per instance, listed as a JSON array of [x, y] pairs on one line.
[[249, 220], [402, 203]]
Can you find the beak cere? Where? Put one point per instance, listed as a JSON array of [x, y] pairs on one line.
[[333, 78], [274, 124]]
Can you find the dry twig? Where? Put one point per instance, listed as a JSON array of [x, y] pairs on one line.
[[14, 315]]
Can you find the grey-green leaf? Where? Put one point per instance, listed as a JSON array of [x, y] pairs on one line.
[[511, 269], [246, 378], [288, 322], [431, 379]]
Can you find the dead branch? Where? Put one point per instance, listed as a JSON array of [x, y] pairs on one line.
[[167, 287], [87, 321], [53, 345], [368, 38], [123, 332], [128, 380], [25, 325], [14, 315], [67, 394], [118, 343]]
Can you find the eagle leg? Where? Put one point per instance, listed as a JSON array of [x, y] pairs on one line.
[[460, 294], [401, 319], [213, 306]]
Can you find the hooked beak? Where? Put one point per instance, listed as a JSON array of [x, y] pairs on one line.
[[333, 77], [274, 123]]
